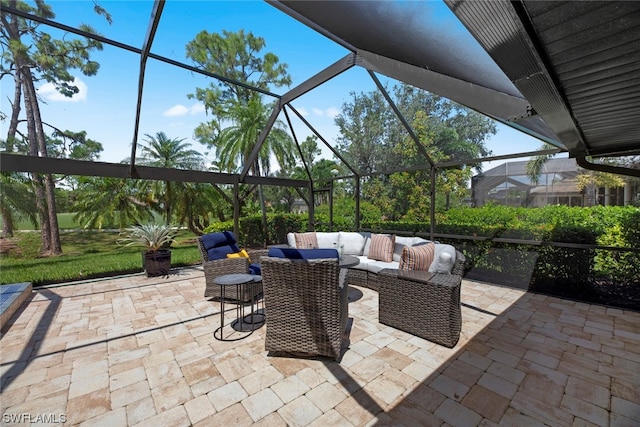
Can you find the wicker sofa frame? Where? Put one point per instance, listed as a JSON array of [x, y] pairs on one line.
[[424, 304], [372, 280], [306, 306], [219, 267]]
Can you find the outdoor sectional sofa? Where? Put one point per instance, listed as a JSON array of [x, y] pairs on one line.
[[447, 260], [424, 302]]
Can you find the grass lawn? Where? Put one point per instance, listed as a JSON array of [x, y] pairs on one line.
[[86, 254]]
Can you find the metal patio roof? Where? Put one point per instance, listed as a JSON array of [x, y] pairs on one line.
[[566, 72]]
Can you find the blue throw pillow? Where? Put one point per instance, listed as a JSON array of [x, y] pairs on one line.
[[255, 269], [292, 253], [214, 240], [221, 252]]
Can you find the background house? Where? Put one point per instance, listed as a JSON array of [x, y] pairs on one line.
[[508, 184]]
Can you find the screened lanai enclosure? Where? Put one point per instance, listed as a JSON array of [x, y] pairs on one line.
[[562, 73]]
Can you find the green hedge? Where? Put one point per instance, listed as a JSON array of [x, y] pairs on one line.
[[539, 263]]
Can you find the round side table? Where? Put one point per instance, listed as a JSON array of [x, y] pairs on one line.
[[239, 324]]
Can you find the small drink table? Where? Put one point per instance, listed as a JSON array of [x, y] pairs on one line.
[[240, 324]]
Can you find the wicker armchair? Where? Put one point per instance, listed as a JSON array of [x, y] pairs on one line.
[[219, 267], [306, 305], [422, 303]]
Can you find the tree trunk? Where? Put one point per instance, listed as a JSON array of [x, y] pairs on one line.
[[36, 179]]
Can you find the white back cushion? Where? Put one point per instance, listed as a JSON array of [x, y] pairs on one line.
[[353, 242], [328, 240], [443, 259]]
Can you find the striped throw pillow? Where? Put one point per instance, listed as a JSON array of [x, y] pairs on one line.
[[381, 248], [417, 257], [306, 240]]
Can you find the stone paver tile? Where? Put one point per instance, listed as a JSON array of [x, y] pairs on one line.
[[331, 418], [290, 388], [486, 403], [199, 408], [626, 389], [380, 339], [161, 373], [503, 371], [117, 417], [463, 372], [195, 372], [140, 410], [262, 403], [81, 371], [311, 377], [456, 414], [369, 368], [272, 420], [359, 408], [126, 378], [418, 371], [626, 408], [504, 358], [498, 385], [300, 412], [585, 410], [235, 415], [227, 395], [589, 392], [476, 360], [131, 393], [517, 418], [87, 406], [207, 385], [44, 388], [384, 389], [449, 387], [542, 359], [175, 417], [392, 358], [326, 396], [171, 394], [363, 348], [540, 411], [233, 369], [260, 379], [88, 385]]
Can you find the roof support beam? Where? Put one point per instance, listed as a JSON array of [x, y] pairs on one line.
[[333, 150], [32, 164], [156, 13], [404, 122], [325, 75], [253, 157]]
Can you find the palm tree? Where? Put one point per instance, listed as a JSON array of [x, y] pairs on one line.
[[536, 164], [236, 141], [103, 202], [160, 151], [16, 201]]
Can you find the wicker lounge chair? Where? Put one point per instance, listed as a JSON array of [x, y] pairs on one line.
[[422, 303], [306, 305], [218, 267]]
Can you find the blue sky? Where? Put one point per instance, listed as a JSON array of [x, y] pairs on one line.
[[105, 108]]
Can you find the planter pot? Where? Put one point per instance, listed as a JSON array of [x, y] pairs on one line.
[[157, 263]]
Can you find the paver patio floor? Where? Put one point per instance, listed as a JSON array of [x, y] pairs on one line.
[[140, 351]]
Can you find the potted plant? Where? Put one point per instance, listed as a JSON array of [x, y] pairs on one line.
[[156, 240]]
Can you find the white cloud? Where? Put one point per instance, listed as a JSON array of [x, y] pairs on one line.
[[303, 112], [176, 110], [49, 92], [197, 108], [332, 112], [181, 110]]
